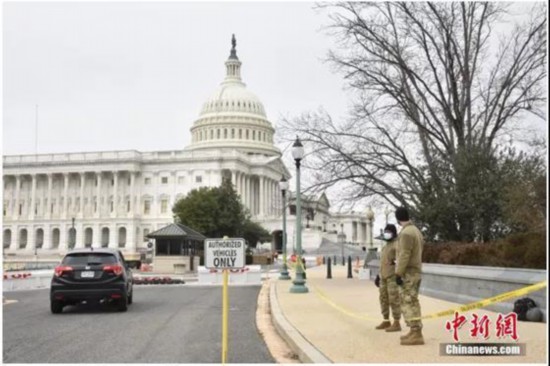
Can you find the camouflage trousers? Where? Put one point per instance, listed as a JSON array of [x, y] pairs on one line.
[[389, 297], [408, 294]]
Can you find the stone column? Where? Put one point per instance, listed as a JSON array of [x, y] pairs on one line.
[[131, 238], [47, 238], [81, 206], [65, 195], [96, 236], [97, 213], [132, 192], [115, 194], [33, 196], [14, 237], [113, 237], [246, 198], [79, 243], [63, 237], [17, 193], [50, 189], [31, 239], [262, 196]]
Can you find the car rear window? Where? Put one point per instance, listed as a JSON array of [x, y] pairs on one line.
[[89, 258]]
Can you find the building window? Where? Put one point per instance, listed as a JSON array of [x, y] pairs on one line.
[[145, 233], [146, 207], [164, 180], [5, 209], [240, 133], [112, 206], [198, 179], [113, 182], [181, 180], [163, 206], [247, 134], [129, 181], [254, 135], [20, 209], [232, 133], [128, 206], [147, 181], [218, 134], [225, 133]]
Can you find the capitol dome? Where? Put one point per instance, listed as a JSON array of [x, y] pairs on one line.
[[233, 117]]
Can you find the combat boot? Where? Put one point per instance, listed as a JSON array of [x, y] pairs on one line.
[[385, 324], [414, 339], [395, 327], [407, 335]]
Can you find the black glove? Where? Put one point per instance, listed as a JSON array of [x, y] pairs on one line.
[[399, 280], [377, 281]]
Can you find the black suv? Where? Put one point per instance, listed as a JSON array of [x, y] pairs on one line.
[[91, 274]]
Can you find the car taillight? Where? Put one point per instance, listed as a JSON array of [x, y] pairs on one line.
[[115, 268], [59, 270]]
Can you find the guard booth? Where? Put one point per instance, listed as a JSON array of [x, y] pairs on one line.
[[177, 249]]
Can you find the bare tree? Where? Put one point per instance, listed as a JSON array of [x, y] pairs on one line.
[[435, 88]]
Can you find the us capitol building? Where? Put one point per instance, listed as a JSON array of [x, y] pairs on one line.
[[55, 202]]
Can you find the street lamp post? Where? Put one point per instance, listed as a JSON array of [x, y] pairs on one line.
[[299, 282], [283, 185], [343, 236]]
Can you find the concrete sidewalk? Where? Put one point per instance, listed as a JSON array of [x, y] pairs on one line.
[[321, 332]]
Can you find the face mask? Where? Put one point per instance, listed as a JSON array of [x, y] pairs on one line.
[[388, 236]]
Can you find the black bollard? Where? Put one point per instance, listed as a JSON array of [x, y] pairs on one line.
[[349, 267], [334, 260], [343, 261], [324, 259], [304, 267], [329, 269]]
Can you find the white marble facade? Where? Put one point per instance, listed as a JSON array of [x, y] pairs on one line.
[[114, 198]]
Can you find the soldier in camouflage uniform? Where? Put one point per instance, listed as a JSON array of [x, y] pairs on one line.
[[408, 270], [385, 281]]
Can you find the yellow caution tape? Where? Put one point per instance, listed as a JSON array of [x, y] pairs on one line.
[[464, 308]]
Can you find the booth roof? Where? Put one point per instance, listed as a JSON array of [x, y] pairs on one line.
[[176, 230]]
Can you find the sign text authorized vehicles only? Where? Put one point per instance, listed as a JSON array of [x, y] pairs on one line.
[[224, 253]]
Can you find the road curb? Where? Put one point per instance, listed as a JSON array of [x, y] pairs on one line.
[[305, 350]]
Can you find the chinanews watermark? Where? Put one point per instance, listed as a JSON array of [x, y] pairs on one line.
[[481, 329]]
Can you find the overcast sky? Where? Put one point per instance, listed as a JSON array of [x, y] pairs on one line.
[[134, 75], [117, 76]]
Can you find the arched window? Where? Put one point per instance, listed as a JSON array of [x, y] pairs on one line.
[[6, 240], [105, 237], [55, 238], [88, 237], [23, 239], [39, 238], [122, 237]]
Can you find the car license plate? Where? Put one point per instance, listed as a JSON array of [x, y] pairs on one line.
[[87, 274]]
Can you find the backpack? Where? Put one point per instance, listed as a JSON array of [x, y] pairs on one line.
[[521, 307]]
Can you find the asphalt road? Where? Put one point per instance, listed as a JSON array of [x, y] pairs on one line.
[[165, 324]]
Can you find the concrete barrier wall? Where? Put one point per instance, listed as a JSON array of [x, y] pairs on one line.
[[465, 284]]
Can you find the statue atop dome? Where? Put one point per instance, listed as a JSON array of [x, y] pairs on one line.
[[233, 54]]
